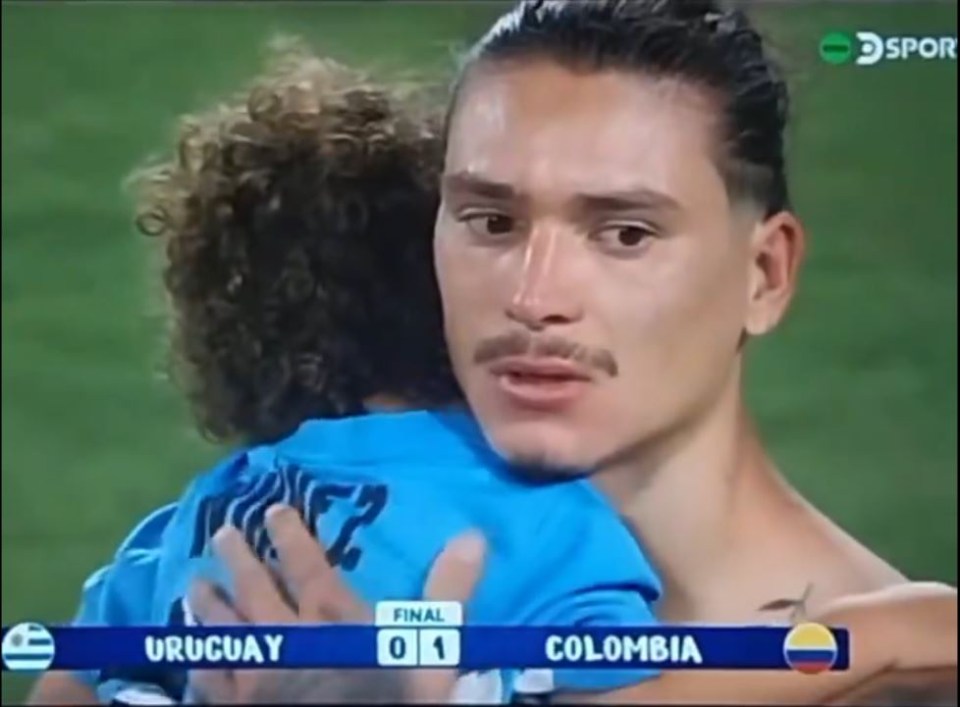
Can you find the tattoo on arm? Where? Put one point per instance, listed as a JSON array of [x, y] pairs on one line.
[[797, 607]]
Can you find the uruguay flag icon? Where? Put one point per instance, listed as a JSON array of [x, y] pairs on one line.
[[27, 647], [810, 648]]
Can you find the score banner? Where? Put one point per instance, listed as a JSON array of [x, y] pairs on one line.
[[427, 634]]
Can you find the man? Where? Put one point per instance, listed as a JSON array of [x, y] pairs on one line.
[[621, 201], [614, 228]]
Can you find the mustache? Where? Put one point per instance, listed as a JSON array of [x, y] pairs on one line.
[[521, 343]]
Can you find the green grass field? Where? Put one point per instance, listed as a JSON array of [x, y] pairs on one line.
[[856, 393]]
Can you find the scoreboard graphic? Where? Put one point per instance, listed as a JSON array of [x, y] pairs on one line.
[[408, 634]]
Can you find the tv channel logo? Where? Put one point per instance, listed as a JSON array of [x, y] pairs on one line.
[[870, 48]]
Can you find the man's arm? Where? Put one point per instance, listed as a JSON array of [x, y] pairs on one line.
[[910, 627], [921, 688], [918, 620]]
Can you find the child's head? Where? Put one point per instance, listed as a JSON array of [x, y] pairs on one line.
[[297, 224]]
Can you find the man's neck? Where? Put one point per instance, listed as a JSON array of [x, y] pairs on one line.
[[691, 497]]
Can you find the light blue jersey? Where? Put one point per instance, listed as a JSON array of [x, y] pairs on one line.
[[385, 493]]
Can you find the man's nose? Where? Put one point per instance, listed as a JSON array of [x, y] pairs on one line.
[[546, 294]]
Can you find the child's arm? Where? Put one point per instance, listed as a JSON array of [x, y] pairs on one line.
[[61, 688], [115, 595], [908, 627]]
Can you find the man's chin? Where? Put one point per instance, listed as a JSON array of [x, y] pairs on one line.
[[539, 455], [545, 470]]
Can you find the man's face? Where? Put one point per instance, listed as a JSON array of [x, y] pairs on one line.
[[595, 278]]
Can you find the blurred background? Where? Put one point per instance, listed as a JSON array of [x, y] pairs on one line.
[[857, 393]]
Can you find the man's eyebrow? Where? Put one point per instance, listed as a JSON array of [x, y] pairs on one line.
[[629, 200], [469, 183], [616, 201]]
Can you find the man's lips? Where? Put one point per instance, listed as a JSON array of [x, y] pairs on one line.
[[537, 370], [544, 385]]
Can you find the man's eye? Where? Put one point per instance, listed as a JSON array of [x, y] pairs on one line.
[[624, 237], [489, 225]]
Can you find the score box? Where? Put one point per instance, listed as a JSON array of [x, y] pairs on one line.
[[418, 633]]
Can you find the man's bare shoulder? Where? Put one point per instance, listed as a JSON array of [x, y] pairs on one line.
[[787, 560], [856, 568], [837, 563]]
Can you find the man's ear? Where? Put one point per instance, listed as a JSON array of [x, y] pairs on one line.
[[777, 247]]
